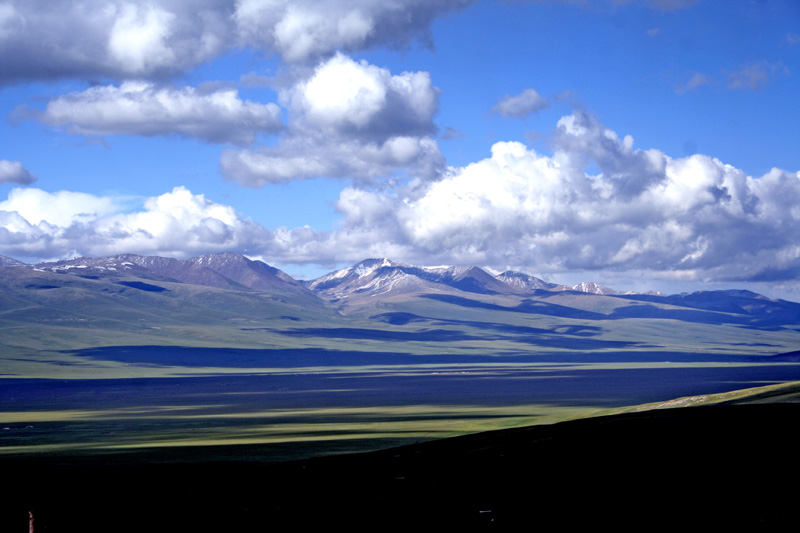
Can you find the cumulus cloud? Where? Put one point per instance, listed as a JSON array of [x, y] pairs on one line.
[[357, 99], [14, 172], [348, 119], [301, 30], [62, 208], [123, 39], [118, 38], [299, 159], [141, 108], [521, 105], [35, 223], [689, 218]]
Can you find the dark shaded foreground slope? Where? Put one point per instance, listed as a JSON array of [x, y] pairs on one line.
[[719, 466]]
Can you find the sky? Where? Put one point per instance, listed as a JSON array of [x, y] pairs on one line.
[[642, 144]]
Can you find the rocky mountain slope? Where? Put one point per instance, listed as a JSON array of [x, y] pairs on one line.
[[373, 277], [382, 276]]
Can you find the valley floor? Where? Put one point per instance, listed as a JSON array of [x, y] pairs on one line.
[[305, 410]]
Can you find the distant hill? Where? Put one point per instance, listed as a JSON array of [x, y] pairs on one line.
[[10, 262], [152, 300], [525, 282], [226, 271]]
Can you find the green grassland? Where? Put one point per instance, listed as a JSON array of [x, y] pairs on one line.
[[39, 342]]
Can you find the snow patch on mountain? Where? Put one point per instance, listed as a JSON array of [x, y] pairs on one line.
[[525, 282]]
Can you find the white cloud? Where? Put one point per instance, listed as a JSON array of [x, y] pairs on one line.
[[299, 158], [178, 223], [690, 218], [139, 36], [521, 105], [118, 38], [358, 99], [62, 208], [35, 223], [343, 92], [141, 108], [8, 17], [348, 120], [122, 39], [303, 30], [14, 172]]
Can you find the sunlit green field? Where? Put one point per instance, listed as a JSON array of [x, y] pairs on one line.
[[136, 428]]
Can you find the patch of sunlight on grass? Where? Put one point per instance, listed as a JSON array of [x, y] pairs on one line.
[[177, 426]]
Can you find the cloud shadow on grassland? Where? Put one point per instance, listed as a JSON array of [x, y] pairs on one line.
[[774, 316], [550, 339], [401, 319]]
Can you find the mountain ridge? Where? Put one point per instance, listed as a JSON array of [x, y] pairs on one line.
[[367, 278]]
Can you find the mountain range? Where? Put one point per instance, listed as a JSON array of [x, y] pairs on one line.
[[224, 298], [371, 277], [368, 280]]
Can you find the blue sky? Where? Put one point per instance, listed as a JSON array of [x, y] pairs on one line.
[[644, 144]]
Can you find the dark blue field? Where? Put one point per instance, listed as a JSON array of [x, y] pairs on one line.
[[458, 381]]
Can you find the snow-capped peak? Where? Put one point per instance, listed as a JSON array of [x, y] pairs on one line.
[[368, 266], [592, 288]]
